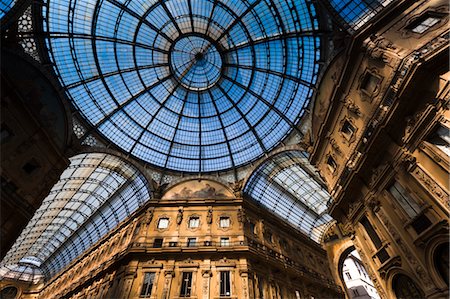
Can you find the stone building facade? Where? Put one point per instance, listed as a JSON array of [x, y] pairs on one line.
[[199, 240], [380, 140]]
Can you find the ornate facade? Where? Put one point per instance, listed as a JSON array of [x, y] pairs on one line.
[[198, 240], [378, 134]]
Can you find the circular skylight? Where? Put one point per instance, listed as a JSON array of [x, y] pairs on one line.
[[189, 85]]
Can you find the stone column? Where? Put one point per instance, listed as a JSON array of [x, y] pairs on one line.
[[244, 282], [168, 275], [206, 280]]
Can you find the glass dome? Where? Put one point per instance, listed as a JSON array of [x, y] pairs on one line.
[[188, 85]]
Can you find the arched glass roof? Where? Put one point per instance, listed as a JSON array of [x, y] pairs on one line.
[[188, 85], [94, 194], [358, 12], [287, 185]]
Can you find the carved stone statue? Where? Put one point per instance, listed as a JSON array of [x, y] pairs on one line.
[[241, 216], [209, 216], [180, 216]]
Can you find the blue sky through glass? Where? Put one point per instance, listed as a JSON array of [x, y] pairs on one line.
[[189, 85], [5, 6]]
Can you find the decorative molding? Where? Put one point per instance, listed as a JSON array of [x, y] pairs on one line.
[[415, 265], [412, 121], [376, 173], [352, 107], [431, 186], [237, 187], [335, 146], [380, 49]]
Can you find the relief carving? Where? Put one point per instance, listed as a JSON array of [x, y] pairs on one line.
[[376, 173], [352, 107], [209, 216], [241, 216], [179, 216], [421, 273], [237, 187], [335, 146], [411, 122], [379, 47], [432, 187], [148, 216], [157, 188]]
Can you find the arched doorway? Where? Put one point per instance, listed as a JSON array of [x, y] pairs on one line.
[[441, 261], [405, 288], [355, 277]]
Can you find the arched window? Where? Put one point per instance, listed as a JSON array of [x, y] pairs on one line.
[[441, 261], [405, 288], [8, 293]]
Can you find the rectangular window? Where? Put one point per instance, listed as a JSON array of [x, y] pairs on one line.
[[425, 22], [408, 204], [163, 223], [371, 232], [347, 129], [186, 283], [224, 222], [421, 223], [157, 243], [331, 164], [441, 139], [194, 222], [224, 241], [348, 275], [192, 242], [369, 83], [253, 228], [147, 285], [225, 289]]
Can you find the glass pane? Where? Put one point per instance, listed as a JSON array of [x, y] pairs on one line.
[[189, 85]]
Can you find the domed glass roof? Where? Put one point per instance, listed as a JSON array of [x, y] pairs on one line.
[[188, 85]]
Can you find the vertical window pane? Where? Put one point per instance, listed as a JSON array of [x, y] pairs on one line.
[[225, 289], [194, 222], [186, 283], [224, 222], [192, 242], [146, 290], [407, 203], [163, 223], [224, 241], [371, 232]]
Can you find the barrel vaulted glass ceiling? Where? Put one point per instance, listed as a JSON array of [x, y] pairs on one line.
[[94, 194], [188, 85], [288, 186], [358, 12]]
